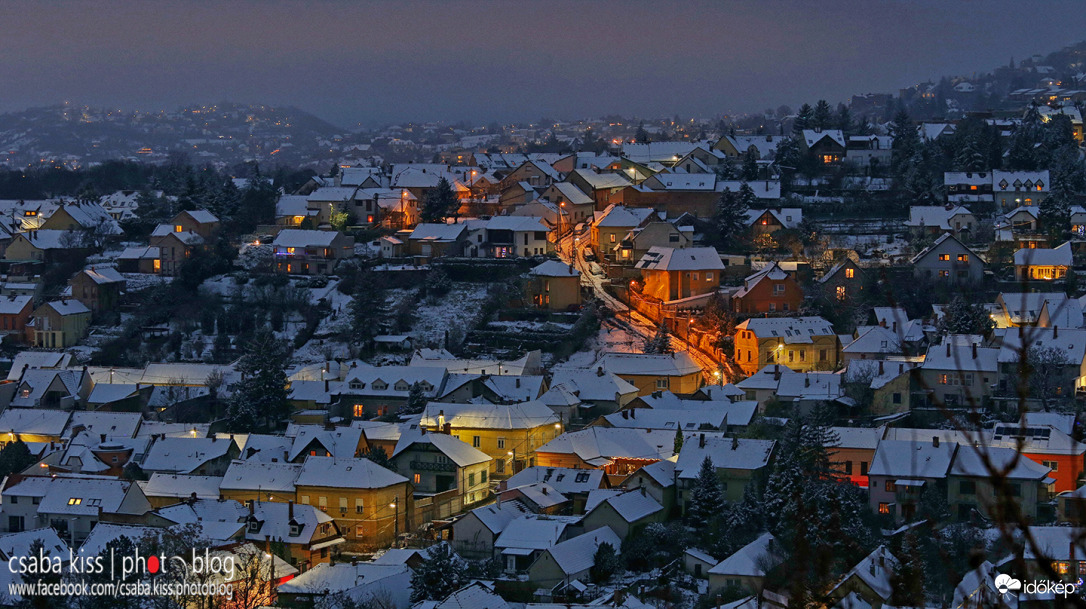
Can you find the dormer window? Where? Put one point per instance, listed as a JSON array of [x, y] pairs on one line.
[[1039, 185], [1003, 184], [295, 529], [75, 501], [401, 386], [178, 229], [380, 385], [254, 525], [356, 385]]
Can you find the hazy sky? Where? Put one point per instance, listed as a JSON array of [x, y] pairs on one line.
[[380, 61]]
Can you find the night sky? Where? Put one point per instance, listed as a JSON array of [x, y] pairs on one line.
[[378, 61]]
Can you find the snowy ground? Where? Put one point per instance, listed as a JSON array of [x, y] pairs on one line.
[[456, 310], [134, 282], [874, 246], [611, 338]]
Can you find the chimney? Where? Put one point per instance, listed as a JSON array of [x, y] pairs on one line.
[[701, 441], [544, 489], [290, 509], [895, 327], [599, 371], [1055, 332], [626, 414], [880, 367], [192, 498], [102, 437], [935, 441], [974, 350], [735, 442], [252, 504], [326, 385], [806, 381], [948, 346], [518, 383]]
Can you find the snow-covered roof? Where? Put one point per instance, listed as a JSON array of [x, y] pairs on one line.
[[36, 421], [563, 479], [812, 136], [14, 304], [525, 415], [260, 476], [591, 386], [632, 506], [970, 461], [875, 339], [437, 232], [964, 358], [67, 307], [497, 516], [646, 364], [459, 452], [1043, 256], [184, 455], [554, 268], [788, 217], [905, 459], [575, 195], [620, 216], [112, 424], [346, 473], [934, 216], [725, 453], [19, 544], [295, 237], [660, 258], [875, 570], [660, 418], [578, 554], [1067, 343], [181, 486], [750, 560], [531, 532], [791, 330], [597, 446]]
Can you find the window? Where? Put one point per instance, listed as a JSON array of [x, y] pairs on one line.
[[358, 506], [360, 531], [944, 257], [343, 505], [475, 441], [897, 398], [663, 383], [1015, 489], [471, 479], [75, 501], [1054, 466], [967, 487], [822, 355], [359, 410], [501, 443], [482, 477], [304, 500], [254, 525], [499, 466], [14, 499], [963, 257], [417, 479], [863, 468], [178, 229], [884, 508], [322, 503], [944, 274], [850, 273], [778, 288], [848, 468], [840, 292], [890, 486], [612, 237]]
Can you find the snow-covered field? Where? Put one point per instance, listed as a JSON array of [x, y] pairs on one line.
[[455, 310]]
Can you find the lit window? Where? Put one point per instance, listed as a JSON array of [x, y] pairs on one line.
[[75, 501], [418, 478], [884, 508], [850, 273], [963, 257], [944, 257], [840, 292], [178, 229]]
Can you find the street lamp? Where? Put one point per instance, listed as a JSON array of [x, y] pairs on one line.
[[396, 519], [271, 569]]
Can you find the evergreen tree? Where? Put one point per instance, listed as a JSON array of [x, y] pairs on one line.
[[907, 579], [749, 171], [641, 136], [1054, 212], [440, 203], [864, 126], [706, 497], [822, 117], [844, 120], [678, 445], [906, 141], [730, 219], [14, 458], [441, 574], [660, 343], [605, 563], [262, 391], [378, 455], [960, 317], [803, 120]]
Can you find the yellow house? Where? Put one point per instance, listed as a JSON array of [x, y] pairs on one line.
[[1043, 264], [674, 372], [553, 285], [259, 481], [369, 504], [509, 433], [58, 324], [612, 224], [674, 274], [804, 344]]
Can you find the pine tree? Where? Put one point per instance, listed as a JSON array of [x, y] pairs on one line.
[[730, 219], [641, 136], [803, 119], [749, 171], [706, 497], [262, 391], [605, 563], [14, 458], [961, 317], [822, 118], [440, 203], [378, 455], [441, 574], [678, 445], [864, 126], [844, 119], [660, 343]]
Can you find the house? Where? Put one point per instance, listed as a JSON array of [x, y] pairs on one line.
[[70, 504], [539, 498], [938, 219], [255, 480], [98, 288], [574, 484], [770, 290], [311, 252], [674, 274], [902, 469], [169, 489], [851, 456], [58, 324], [553, 285], [870, 580], [801, 343], [890, 383], [1043, 264], [1024, 308], [625, 513], [639, 241], [956, 375], [374, 391], [197, 456], [524, 539], [370, 504], [43, 246], [1046, 445], [509, 434], [947, 260], [598, 392], [140, 259], [1064, 351], [571, 560], [15, 313], [474, 534], [444, 467], [869, 150], [33, 425], [970, 489], [874, 342], [362, 582], [1011, 189], [292, 210], [844, 281], [746, 569], [614, 223], [307, 534], [429, 241], [769, 221], [174, 246], [675, 372], [739, 462], [619, 452], [198, 221], [826, 147], [510, 237], [968, 186], [574, 203], [602, 187]]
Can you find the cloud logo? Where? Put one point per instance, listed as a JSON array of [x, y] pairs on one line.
[[1005, 584]]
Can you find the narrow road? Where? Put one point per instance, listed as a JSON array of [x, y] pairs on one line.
[[625, 318]]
